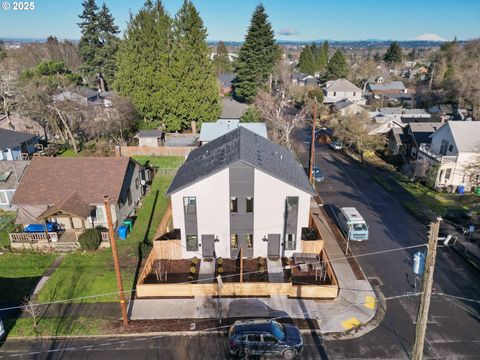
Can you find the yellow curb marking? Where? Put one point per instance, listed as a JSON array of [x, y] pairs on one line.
[[350, 323], [369, 302]]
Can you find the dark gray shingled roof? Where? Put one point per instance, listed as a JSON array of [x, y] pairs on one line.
[[240, 145], [10, 139]]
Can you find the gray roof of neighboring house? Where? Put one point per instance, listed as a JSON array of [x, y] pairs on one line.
[[16, 169], [441, 108], [298, 76], [422, 131], [240, 145], [226, 79], [341, 85], [232, 109], [211, 131], [149, 134], [310, 81], [10, 139], [401, 111], [466, 135], [393, 85], [342, 104]]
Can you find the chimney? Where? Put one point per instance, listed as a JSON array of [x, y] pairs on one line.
[[194, 127], [118, 152]]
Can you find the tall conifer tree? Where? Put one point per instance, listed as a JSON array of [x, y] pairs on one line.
[[194, 91], [221, 61], [337, 66], [143, 60], [257, 57], [108, 32], [89, 44], [307, 63]]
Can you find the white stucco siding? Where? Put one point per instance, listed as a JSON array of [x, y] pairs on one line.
[[213, 213], [269, 208]]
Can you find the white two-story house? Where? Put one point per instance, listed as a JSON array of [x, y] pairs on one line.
[[340, 89], [240, 191], [454, 147]]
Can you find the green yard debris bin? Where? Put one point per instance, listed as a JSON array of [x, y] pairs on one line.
[[129, 223], [477, 190]]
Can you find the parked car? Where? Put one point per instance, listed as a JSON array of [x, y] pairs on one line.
[[335, 145], [2, 330], [264, 337], [318, 175]]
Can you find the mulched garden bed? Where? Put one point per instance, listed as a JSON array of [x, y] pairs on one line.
[[178, 271], [144, 326], [231, 270], [298, 277]]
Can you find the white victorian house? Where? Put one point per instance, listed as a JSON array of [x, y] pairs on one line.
[[240, 191], [454, 147]]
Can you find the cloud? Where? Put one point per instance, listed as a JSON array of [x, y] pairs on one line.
[[288, 31]]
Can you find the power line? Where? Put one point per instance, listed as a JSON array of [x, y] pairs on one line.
[[223, 276], [458, 297], [223, 327]]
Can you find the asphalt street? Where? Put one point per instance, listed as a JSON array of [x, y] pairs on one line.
[[453, 326]]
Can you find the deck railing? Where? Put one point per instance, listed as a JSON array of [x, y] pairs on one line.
[[36, 237]]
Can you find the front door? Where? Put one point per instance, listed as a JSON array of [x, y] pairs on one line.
[[208, 246], [273, 245]]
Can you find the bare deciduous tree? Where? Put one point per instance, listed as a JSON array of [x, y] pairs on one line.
[[277, 110], [352, 131], [8, 87], [33, 309]]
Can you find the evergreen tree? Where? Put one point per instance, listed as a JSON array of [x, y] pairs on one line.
[[194, 96], [337, 66], [325, 48], [3, 53], [321, 59], [306, 62], [143, 60], [90, 40], [393, 54], [221, 61], [108, 32], [257, 57]]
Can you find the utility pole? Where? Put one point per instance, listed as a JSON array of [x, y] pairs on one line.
[[116, 264], [312, 147], [422, 316]]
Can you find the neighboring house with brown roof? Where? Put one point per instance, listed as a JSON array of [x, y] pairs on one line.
[[70, 191]]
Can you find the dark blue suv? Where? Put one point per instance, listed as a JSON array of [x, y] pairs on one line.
[[264, 337]]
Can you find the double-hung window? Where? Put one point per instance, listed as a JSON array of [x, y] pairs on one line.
[[249, 204], [233, 204], [290, 242], [190, 204]]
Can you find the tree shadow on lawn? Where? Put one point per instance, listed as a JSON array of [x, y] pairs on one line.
[[142, 247]]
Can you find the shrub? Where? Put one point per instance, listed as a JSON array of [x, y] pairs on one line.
[[260, 260], [90, 239], [195, 260], [220, 261], [193, 269], [220, 270], [261, 269]]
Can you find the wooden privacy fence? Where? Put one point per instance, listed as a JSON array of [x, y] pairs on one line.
[[127, 151], [238, 289]]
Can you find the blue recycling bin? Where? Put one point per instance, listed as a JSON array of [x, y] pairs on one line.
[[461, 189], [122, 232]]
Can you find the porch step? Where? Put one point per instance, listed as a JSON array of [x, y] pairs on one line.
[[66, 246]]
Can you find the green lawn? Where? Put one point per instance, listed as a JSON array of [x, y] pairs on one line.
[[438, 202], [87, 274], [20, 272], [57, 326], [6, 226], [166, 162]]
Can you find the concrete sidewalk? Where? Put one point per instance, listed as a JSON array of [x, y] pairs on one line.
[[355, 305]]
